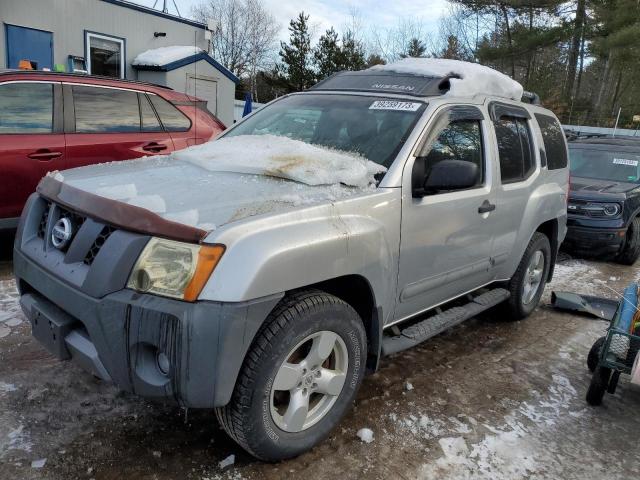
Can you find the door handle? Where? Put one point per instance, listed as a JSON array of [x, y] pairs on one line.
[[486, 207], [44, 154], [154, 147]]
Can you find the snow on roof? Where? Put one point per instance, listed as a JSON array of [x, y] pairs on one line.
[[473, 78], [282, 157], [158, 57]]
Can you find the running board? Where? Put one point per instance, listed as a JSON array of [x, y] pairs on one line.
[[424, 330]]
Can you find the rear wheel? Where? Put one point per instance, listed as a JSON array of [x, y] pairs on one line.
[[631, 250], [299, 378], [527, 284]]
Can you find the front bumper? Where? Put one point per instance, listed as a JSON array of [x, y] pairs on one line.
[[119, 337], [595, 241], [79, 309]]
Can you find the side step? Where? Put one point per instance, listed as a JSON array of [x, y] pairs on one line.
[[424, 330]]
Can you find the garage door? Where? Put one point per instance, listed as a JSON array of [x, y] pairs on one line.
[[205, 88], [29, 44]]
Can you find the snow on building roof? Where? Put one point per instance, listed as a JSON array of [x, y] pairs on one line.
[[159, 57], [176, 56], [466, 79]]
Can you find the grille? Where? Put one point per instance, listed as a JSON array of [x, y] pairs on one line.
[[42, 226], [97, 244]]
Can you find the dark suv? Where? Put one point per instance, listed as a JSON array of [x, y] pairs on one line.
[[604, 200]]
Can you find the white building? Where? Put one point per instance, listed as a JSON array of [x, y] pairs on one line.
[[103, 37]]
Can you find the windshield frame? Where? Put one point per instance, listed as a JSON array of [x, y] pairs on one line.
[[605, 149], [391, 159]]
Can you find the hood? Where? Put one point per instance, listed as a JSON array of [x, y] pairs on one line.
[[196, 188], [591, 186]]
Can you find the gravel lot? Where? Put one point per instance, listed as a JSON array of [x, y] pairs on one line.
[[488, 399]]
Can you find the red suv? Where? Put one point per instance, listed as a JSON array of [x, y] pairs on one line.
[[55, 121]]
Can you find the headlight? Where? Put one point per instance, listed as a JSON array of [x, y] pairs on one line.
[[174, 269], [606, 209]]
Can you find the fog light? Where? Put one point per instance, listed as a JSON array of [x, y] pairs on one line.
[[163, 363]]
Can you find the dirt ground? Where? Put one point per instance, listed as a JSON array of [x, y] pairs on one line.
[[487, 400]]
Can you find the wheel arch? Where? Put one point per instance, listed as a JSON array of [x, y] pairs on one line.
[[550, 230]]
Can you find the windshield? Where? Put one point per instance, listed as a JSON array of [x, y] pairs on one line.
[[615, 166], [373, 127]]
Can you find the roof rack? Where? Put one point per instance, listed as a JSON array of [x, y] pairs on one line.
[[531, 97], [79, 75], [385, 82]]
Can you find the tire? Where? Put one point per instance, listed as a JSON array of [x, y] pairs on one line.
[[631, 249], [519, 307], [258, 416], [594, 354], [598, 386]]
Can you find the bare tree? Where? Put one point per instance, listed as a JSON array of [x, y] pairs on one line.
[[392, 43], [244, 38]]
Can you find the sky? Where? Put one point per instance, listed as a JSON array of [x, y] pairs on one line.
[[327, 13]]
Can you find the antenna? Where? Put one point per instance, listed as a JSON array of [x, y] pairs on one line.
[[165, 7]]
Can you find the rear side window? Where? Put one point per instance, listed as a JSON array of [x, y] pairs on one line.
[[150, 122], [172, 118], [26, 108], [106, 110], [553, 138], [514, 148]]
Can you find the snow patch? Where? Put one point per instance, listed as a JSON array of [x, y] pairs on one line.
[[365, 434], [157, 57], [227, 462], [408, 386], [7, 387], [472, 78], [38, 463], [282, 157]]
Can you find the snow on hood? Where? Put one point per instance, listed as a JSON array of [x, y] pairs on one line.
[[157, 57], [474, 78], [207, 186], [282, 157]]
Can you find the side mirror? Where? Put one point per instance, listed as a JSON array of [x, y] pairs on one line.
[[450, 175]]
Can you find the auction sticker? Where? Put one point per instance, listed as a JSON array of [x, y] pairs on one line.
[[625, 161], [395, 105]]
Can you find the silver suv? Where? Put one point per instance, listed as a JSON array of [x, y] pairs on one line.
[[265, 273]]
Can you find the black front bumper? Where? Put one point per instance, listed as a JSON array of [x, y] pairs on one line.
[[159, 348], [120, 336], [591, 241]]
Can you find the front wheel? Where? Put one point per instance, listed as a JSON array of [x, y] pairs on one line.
[[598, 386], [527, 284], [299, 378], [631, 250]]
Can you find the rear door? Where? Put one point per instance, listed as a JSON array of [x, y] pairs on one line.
[[446, 237], [179, 125], [518, 172], [31, 140], [104, 124]]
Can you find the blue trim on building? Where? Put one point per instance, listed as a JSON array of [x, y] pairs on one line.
[[124, 50], [189, 60], [157, 13]]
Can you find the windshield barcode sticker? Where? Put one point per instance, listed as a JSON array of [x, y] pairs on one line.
[[395, 105], [625, 161]]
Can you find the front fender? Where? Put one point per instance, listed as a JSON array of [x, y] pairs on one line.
[[272, 254]]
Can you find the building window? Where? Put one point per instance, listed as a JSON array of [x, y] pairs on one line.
[[105, 55]]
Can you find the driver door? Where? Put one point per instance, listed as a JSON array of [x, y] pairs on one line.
[[446, 237]]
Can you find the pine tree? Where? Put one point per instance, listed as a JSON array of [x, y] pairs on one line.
[[352, 53], [415, 48], [328, 55], [296, 56]]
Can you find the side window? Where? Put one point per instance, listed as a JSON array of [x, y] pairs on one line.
[[553, 138], [106, 110], [150, 122], [514, 148], [459, 140], [26, 108], [172, 118]]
